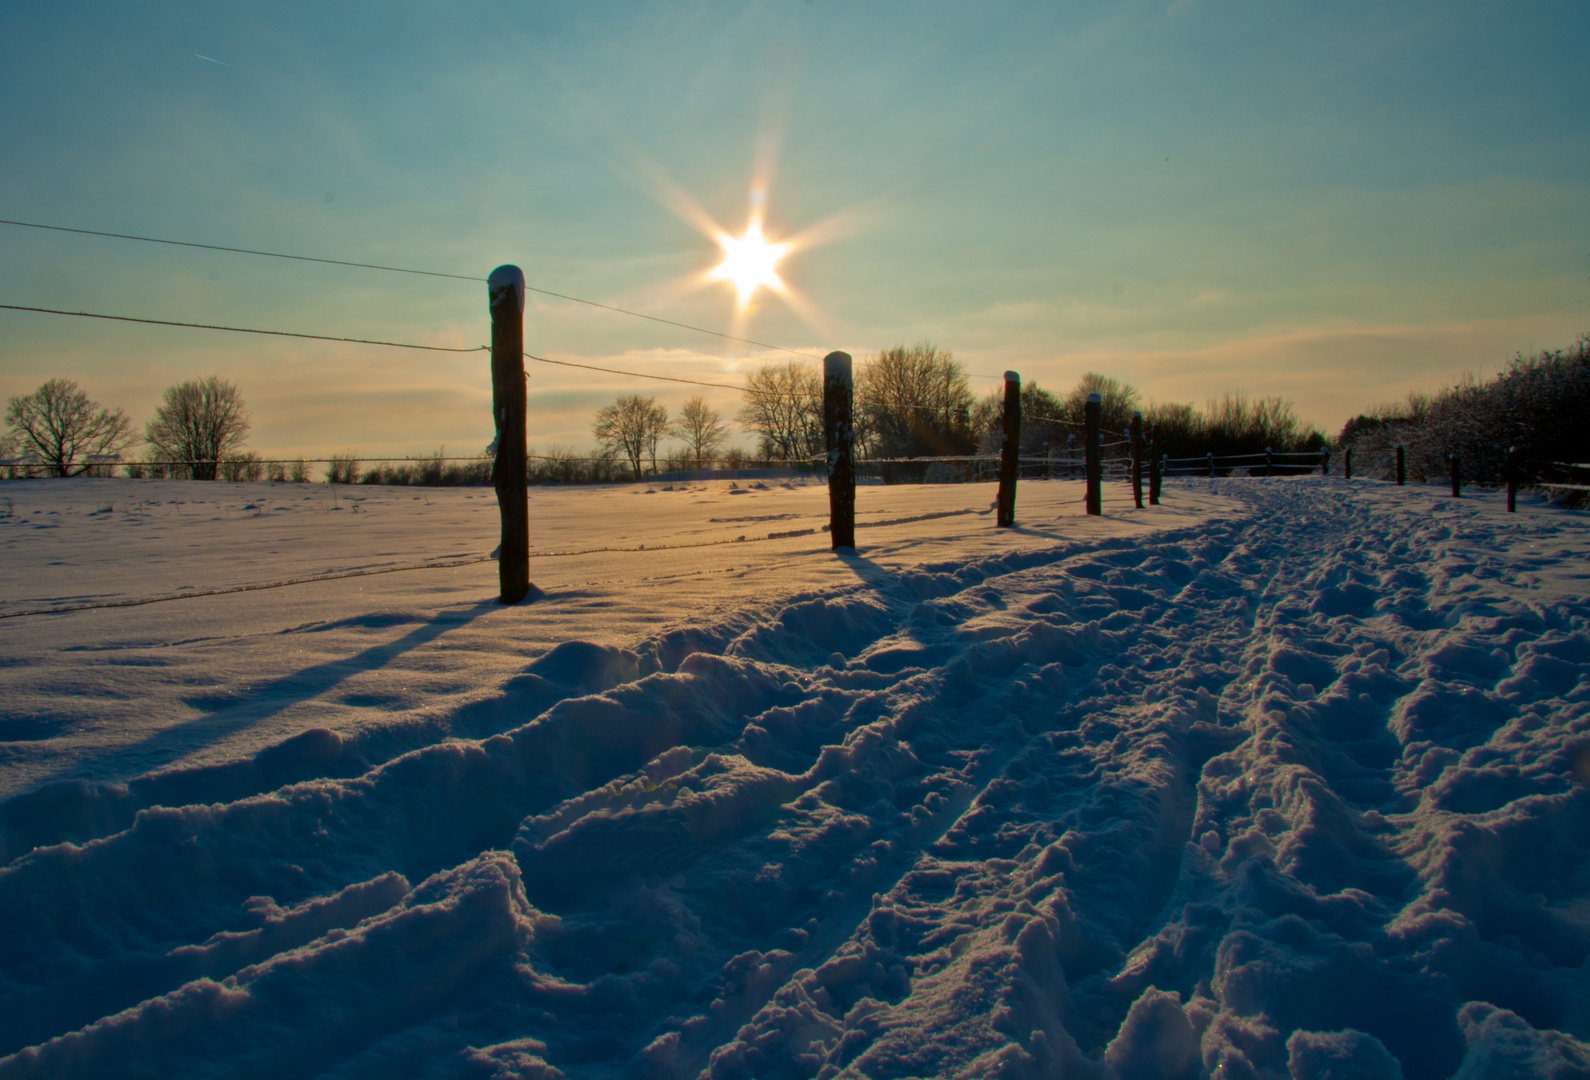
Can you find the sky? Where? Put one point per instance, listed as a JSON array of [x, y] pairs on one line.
[[1335, 203]]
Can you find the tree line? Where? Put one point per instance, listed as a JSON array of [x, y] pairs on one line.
[[916, 402], [1537, 405], [198, 431], [911, 401]]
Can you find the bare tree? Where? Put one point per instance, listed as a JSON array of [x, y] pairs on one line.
[[632, 426], [1043, 419], [198, 423], [914, 401], [1117, 400], [60, 424], [703, 430], [784, 407]]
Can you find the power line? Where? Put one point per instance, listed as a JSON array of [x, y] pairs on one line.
[[367, 341], [428, 273], [643, 375], [373, 341], [407, 270], [240, 251], [242, 329]]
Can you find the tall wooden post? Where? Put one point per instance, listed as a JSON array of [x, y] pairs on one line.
[[1512, 479], [1457, 475], [1090, 453], [509, 473], [1009, 453], [1135, 433], [1347, 464], [839, 435], [1402, 469]]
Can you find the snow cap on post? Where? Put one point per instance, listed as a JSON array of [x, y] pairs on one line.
[[837, 365], [1093, 397], [502, 279], [1011, 376]]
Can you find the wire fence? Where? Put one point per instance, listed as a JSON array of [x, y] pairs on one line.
[[1553, 475], [565, 467], [442, 470], [1254, 463], [557, 467]]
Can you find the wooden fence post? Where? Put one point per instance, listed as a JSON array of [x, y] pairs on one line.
[[1457, 475], [1347, 464], [839, 435], [1211, 456], [1090, 454], [1402, 470], [1512, 479], [1156, 474], [1267, 470], [509, 474], [1325, 461], [1135, 432], [1009, 453]]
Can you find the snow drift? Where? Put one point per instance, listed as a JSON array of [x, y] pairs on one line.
[[1299, 791]]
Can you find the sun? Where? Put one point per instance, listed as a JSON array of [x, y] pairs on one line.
[[749, 262]]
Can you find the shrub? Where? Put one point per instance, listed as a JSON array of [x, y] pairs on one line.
[[431, 471], [342, 469], [241, 467]]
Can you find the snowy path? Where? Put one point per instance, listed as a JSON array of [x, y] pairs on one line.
[[1149, 804]]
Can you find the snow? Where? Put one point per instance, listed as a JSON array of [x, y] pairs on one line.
[[503, 278], [837, 370], [1282, 778]]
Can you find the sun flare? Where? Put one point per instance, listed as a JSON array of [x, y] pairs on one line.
[[749, 261]]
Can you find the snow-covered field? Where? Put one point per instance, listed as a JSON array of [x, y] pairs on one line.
[[1281, 778]]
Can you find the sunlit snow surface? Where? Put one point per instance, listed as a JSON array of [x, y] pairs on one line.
[[1281, 778]]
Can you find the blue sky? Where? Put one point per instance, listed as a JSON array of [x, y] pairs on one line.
[[1338, 203]]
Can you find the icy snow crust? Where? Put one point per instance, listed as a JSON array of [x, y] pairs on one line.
[[1291, 784]]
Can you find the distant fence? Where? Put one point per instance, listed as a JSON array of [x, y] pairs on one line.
[[547, 469], [1572, 478], [1262, 463]]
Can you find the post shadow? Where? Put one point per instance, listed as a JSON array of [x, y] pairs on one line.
[[229, 714]]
